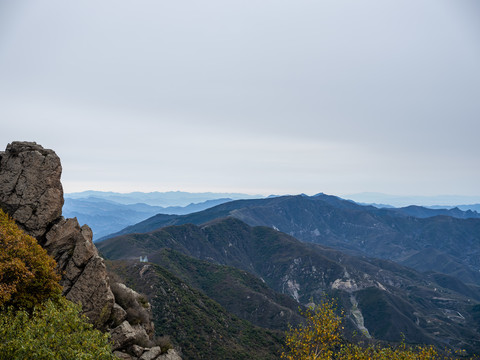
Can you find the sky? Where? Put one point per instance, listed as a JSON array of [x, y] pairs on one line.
[[261, 97]]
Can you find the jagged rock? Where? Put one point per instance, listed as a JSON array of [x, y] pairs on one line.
[[141, 336], [151, 354], [85, 278], [138, 309], [118, 315], [170, 355], [92, 291], [66, 236], [123, 335], [30, 187], [123, 356], [137, 350], [133, 294]]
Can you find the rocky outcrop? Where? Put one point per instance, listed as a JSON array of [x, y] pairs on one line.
[[84, 276], [30, 188], [31, 192]]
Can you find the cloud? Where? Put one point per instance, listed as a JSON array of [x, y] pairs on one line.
[[301, 96]]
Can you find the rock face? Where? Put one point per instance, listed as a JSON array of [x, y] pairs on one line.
[[84, 276], [30, 188], [31, 193]]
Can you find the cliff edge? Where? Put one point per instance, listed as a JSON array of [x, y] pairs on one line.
[[31, 192]]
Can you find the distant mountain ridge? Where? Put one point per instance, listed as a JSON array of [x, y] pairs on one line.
[[342, 224], [439, 201], [108, 212], [426, 212], [163, 199], [107, 216]]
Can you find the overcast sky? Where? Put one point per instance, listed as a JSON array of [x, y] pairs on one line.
[[249, 96]]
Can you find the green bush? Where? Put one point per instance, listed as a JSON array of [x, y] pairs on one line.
[[55, 330]]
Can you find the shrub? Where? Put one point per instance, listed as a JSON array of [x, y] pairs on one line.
[[164, 342], [54, 330], [137, 315], [320, 339], [27, 273], [134, 304]]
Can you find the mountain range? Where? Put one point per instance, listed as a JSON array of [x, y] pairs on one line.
[[108, 213], [438, 243], [408, 272], [382, 299], [164, 199], [439, 201], [106, 216]]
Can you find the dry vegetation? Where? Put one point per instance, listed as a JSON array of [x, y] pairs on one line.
[[320, 339], [27, 273]]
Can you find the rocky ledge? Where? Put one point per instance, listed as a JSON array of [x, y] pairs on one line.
[[31, 192]]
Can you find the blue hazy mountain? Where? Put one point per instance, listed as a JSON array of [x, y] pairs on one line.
[[426, 212], [164, 199], [106, 216], [439, 201]]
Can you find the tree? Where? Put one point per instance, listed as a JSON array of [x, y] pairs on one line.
[[27, 273], [320, 339]]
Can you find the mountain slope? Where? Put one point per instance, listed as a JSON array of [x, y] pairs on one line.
[[238, 291], [328, 220], [413, 304], [202, 328]]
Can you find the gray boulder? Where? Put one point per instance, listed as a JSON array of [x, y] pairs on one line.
[[170, 355], [123, 336], [151, 354], [118, 315], [123, 356]]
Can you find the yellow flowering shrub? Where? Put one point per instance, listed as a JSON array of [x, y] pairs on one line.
[[27, 273]]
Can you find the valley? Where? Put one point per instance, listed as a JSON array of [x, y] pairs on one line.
[[387, 299]]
